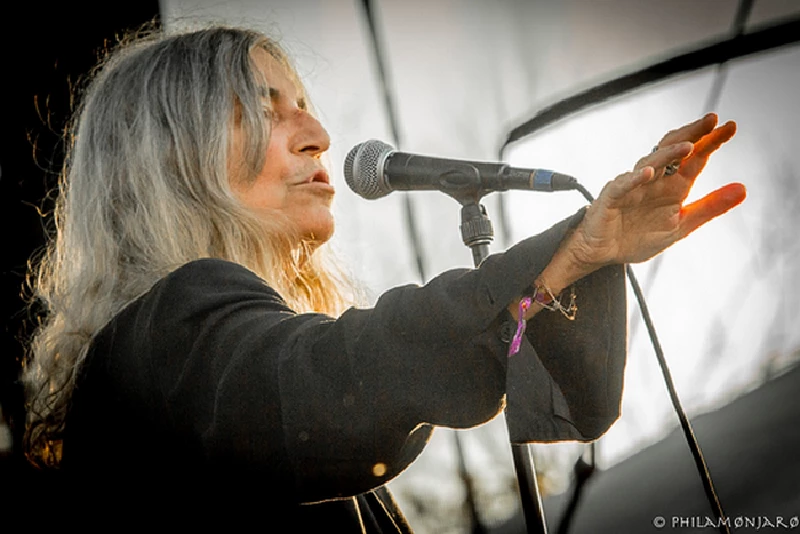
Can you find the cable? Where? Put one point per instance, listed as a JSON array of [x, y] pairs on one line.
[[691, 440], [583, 471], [388, 100], [737, 30], [416, 242], [711, 104]]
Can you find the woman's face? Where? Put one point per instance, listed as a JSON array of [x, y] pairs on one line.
[[293, 180]]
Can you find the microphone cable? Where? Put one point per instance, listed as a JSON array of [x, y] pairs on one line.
[[691, 440], [583, 470]]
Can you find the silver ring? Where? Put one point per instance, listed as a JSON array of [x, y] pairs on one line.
[[654, 149], [672, 168]]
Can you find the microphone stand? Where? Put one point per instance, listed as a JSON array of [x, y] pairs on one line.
[[477, 233]]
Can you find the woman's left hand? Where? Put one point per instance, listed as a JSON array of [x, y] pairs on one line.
[[640, 213]]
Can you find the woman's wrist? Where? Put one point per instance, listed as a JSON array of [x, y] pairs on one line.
[[564, 269], [569, 264]]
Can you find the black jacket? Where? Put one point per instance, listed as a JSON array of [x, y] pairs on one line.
[[210, 387]]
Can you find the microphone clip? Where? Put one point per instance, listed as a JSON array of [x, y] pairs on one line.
[[476, 230]]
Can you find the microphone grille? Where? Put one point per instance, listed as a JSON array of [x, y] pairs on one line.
[[363, 169]]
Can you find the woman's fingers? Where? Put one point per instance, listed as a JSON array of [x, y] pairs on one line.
[[623, 184], [716, 138], [714, 204], [694, 131], [706, 146], [668, 154]]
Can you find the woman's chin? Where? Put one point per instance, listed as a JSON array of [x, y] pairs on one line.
[[319, 233]]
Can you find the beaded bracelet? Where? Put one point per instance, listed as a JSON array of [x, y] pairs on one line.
[[545, 298]]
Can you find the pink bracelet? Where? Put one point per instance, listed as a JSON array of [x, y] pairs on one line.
[[524, 305], [545, 298]]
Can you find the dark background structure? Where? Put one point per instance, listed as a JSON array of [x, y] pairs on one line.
[[46, 49]]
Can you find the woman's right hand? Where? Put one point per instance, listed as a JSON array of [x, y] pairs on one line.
[[641, 213]]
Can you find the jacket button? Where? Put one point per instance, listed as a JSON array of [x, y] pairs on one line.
[[507, 331]]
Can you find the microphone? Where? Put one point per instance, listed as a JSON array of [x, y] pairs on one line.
[[373, 169]]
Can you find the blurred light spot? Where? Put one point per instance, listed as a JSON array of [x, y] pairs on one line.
[[379, 469]]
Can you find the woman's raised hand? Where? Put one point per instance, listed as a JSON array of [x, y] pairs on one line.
[[640, 213]]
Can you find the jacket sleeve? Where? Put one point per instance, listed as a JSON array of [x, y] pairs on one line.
[[566, 381], [335, 407]]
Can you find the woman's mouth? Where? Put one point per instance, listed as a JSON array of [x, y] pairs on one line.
[[320, 176]]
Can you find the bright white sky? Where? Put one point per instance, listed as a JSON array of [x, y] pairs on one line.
[[719, 300]]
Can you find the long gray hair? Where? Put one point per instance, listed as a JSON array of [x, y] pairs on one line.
[[145, 189]]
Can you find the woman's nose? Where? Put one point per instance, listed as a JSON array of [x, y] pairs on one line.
[[312, 138]]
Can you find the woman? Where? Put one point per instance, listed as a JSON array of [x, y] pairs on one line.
[[196, 339]]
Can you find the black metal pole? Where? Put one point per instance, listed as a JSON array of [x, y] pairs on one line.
[[477, 233], [532, 508]]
